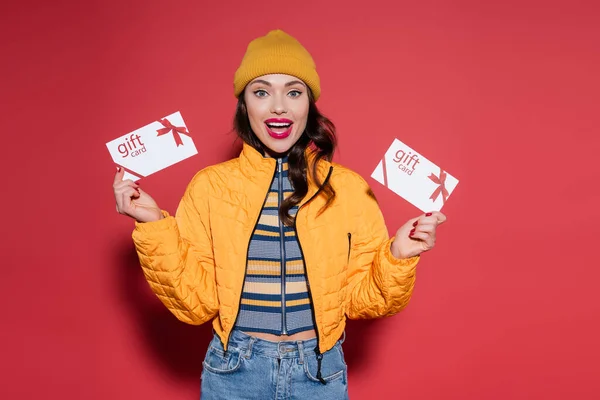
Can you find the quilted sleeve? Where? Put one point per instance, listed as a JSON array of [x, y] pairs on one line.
[[380, 284], [177, 258]]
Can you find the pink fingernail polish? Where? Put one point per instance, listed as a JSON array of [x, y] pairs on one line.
[[428, 214], [416, 222]]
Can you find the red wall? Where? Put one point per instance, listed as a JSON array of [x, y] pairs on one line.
[[503, 95]]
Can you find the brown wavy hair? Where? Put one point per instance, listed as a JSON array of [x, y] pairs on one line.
[[318, 134]]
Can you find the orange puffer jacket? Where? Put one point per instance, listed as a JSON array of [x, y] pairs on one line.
[[195, 262]]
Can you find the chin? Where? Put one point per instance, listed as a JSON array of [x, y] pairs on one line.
[[276, 146]]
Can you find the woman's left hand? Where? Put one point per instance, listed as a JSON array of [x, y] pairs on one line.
[[417, 235]]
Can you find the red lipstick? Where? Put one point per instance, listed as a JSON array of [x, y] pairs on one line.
[[279, 128]]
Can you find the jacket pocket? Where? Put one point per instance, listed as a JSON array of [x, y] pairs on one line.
[[349, 245], [219, 362]]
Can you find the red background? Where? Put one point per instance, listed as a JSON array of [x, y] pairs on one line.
[[503, 96]]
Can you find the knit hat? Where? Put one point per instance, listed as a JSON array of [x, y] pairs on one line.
[[276, 53]]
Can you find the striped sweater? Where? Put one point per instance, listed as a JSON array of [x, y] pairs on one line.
[[275, 297]]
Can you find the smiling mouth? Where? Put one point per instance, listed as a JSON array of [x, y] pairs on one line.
[[279, 129]]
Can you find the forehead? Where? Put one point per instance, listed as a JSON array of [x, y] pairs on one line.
[[277, 79]]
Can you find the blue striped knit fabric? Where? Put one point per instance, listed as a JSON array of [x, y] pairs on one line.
[[275, 271]]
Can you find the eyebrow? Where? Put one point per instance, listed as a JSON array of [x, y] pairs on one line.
[[290, 83]]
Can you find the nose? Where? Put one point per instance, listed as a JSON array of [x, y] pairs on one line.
[[278, 107]]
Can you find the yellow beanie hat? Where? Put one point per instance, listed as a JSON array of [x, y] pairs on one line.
[[276, 53]]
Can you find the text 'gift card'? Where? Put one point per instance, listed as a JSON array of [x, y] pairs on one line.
[[414, 178], [153, 147]]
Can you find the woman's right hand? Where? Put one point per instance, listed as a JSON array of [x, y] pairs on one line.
[[133, 201]]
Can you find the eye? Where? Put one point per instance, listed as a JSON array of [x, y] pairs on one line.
[[294, 93], [260, 93]]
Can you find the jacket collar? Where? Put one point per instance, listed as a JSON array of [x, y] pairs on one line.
[[254, 165], [257, 167]]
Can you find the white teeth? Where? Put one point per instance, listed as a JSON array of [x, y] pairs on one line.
[[278, 124]]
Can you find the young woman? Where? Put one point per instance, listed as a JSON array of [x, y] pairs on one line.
[[278, 246]]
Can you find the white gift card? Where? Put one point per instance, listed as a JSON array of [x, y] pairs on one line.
[[415, 178], [153, 147]]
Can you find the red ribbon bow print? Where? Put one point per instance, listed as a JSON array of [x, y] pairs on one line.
[[169, 127], [440, 189]]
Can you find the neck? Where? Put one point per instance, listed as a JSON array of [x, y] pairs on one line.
[[271, 154]]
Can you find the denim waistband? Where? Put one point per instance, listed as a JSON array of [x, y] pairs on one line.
[[249, 344]]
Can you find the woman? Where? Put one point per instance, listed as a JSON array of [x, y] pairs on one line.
[[278, 246]]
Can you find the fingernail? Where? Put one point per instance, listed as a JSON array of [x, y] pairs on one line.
[[411, 233], [118, 169], [416, 222], [428, 214]]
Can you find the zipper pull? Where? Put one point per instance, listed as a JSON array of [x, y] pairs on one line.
[[279, 162], [319, 359]]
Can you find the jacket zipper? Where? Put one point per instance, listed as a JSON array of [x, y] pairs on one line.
[[282, 243], [247, 252], [312, 306]]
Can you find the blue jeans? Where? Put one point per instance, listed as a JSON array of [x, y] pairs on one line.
[[258, 369]]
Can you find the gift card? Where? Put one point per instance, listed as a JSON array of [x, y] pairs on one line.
[[414, 178], [153, 147]]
